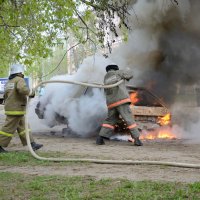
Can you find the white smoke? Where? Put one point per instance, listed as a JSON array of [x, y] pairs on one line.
[[82, 108], [84, 119], [161, 45]]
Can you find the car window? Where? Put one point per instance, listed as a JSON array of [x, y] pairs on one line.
[[142, 97]]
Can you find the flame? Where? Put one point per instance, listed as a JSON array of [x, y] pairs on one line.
[[164, 120], [161, 133], [134, 98]]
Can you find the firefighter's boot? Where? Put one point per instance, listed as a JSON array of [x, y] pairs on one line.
[[100, 140], [2, 150], [137, 142], [36, 146]]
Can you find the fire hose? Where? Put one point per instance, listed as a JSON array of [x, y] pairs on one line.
[[97, 161]]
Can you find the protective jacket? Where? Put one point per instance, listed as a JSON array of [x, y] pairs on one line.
[[117, 95], [15, 96]]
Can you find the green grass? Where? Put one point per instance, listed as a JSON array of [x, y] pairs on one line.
[[20, 186], [32, 187], [26, 159]]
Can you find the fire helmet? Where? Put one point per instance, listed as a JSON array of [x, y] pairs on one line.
[[112, 67], [16, 68]]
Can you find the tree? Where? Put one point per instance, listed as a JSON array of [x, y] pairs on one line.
[[29, 28]]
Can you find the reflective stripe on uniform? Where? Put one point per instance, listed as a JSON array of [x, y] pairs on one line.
[[6, 134], [108, 126], [23, 132], [132, 126], [119, 103], [15, 112]]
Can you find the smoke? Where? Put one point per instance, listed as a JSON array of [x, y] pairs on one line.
[[82, 108], [163, 51], [84, 119], [160, 47]]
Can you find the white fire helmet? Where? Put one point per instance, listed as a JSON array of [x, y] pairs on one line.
[[16, 68]]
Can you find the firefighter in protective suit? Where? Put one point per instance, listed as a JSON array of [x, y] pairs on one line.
[[118, 102], [15, 97]]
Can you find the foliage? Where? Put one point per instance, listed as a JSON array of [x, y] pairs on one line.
[[3, 70], [29, 28]]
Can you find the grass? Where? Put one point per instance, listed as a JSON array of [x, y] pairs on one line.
[[20, 186], [32, 187], [26, 159]]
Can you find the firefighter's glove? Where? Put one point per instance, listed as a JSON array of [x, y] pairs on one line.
[[32, 94], [127, 76], [127, 79]]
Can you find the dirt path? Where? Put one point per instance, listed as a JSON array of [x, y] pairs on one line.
[[160, 150]]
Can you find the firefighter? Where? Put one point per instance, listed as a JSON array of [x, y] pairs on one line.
[[15, 97], [118, 103]]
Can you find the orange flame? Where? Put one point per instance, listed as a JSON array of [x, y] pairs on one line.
[[164, 120], [161, 133], [134, 98]]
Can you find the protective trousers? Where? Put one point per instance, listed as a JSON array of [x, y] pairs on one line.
[[124, 110], [12, 124]]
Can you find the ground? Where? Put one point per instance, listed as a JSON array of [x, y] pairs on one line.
[[176, 150]]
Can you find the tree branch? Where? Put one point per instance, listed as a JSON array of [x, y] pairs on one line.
[[10, 26]]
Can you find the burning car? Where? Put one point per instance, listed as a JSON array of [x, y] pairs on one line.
[[148, 110]]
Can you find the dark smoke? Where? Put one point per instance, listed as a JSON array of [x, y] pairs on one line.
[[177, 60], [179, 67]]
